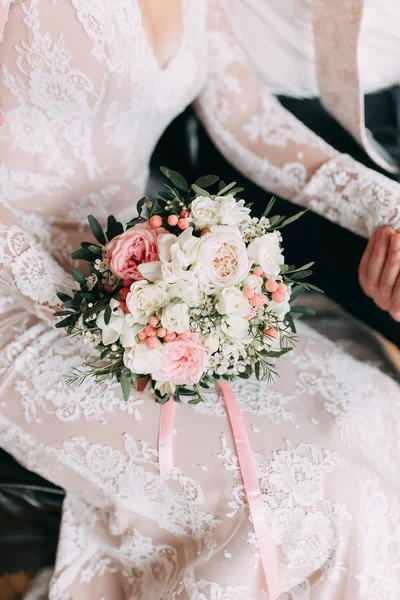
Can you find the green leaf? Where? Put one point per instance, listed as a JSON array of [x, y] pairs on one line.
[[62, 313], [107, 314], [279, 353], [199, 191], [97, 230], [140, 205], [297, 290], [177, 179], [303, 268], [284, 269], [237, 190], [206, 181], [91, 296], [311, 286], [64, 297], [83, 254], [227, 188], [257, 370], [270, 206], [66, 322], [301, 275], [303, 310], [78, 276], [114, 228], [275, 220], [294, 218], [125, 381], [289, 320]]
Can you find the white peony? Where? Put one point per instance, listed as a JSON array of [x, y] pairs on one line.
[[265, 251], [222, 260], [188, 291], [231, 301], [175, 317], [119, 328], [145, 299], [205, 212], [232, 211], [235, 327], [141, 360]]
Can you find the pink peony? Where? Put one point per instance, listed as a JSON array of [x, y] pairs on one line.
[[135, 246], [184, 362]]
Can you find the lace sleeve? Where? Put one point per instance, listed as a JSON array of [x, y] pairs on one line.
[[4, 8], [28, 273], [271, 147]]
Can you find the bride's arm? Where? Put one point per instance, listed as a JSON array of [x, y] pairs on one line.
[[28, 273], [269, 145]]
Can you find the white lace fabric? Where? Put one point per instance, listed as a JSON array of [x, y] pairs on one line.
[[83, 101]]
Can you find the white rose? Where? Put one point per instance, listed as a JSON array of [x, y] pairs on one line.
[[175, 317], [254, 282], [222, 260], [232, 211], [231, 301], [145, 299], [188, 291], [265, 251], [235, 327], [141, 360], [119, 328], [279, 310], [205, 212]]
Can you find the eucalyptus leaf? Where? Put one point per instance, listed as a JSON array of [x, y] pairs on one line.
[[311, 286], [301, 274], [64, 297], [293, 218], [83, 254], [177, 179], [303, 268], [206, 181], [125, 381], [199, 191], [227, 188], [297, 290], [270, 206]]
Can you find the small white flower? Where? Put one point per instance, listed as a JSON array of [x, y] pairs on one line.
[[144, 299], [265, 251], [232, 211], [205, 212], [175, 317], [232, 302]]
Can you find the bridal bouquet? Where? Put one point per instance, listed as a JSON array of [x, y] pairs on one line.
[[193, 290]]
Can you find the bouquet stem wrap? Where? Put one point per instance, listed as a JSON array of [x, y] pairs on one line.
[[249, 475]]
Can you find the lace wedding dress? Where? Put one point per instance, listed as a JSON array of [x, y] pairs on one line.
[[83, 102]]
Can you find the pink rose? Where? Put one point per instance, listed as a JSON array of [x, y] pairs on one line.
[[135, 246], [184, 362]]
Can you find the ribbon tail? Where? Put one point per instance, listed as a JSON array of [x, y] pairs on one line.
[[165, 437], [253, 492]]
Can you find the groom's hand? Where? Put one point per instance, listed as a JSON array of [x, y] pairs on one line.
[[379, 271]]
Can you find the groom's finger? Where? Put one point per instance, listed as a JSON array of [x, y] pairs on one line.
[[390, 271], [363, 268], [377, 262]]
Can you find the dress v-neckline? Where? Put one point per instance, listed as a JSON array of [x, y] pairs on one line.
[[148, 45]]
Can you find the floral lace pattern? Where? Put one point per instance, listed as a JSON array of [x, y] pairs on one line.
[[76, 136]]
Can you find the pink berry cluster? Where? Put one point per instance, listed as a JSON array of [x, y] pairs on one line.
[[181, 221], [154, 333], [278, 293]]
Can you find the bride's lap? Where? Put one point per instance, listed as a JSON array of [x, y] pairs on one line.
[[324, 434]]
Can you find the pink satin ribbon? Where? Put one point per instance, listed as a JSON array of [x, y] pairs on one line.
[[249, 475], [165, 446]]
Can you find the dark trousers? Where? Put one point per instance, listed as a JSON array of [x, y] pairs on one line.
[[336, 251]]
